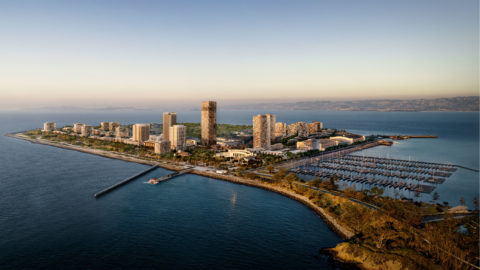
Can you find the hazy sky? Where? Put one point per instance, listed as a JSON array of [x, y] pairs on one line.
[[153, 52]]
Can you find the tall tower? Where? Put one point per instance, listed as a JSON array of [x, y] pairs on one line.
[[271, 118], [169, 119], [261, 131], [209, 123]]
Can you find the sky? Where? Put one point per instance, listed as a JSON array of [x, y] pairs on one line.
[[148, 53]]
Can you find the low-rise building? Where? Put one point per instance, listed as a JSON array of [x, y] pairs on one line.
[[274, 153], [149, 143], [49, 126], [108, 139], [276, 146], [280, 130], [122, 132], [162, 147], [87, 130], [310, 144], [292, 129], [227, 142], [315, 127], [77, 127], [155, 138], [236, 154], [98, 132], [326, 143], [191, 142], [113, 125], [104, 126], [302, 129], [130, 141], [349, 139], [356, 138]]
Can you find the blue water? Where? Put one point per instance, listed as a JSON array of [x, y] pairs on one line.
[[49, 218]]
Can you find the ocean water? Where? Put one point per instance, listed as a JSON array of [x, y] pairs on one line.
[[49, 218]]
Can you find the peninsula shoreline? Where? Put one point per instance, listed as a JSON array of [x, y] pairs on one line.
[[340, 230]]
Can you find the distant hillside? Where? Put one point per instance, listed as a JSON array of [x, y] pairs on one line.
[[438, 104]]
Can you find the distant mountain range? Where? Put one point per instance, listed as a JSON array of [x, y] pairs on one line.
[[470, 103]]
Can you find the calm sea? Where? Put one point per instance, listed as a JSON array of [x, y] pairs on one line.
[[49, 218]]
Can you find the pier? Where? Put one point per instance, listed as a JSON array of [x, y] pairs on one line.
[[123, 182], [406, 137], [171, 175]]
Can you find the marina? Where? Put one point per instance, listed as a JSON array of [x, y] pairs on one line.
[[399, 174]]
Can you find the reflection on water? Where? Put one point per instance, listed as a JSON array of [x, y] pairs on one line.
[[233, 200]]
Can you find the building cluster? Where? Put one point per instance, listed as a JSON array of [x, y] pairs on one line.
[[267, 136], [305, 136], [266, 130], [172, 137]]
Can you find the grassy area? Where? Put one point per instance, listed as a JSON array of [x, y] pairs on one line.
[[394, 235]]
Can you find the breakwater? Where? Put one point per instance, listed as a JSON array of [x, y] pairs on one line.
[[123, 182]]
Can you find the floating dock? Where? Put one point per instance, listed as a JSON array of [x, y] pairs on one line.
[[96, 195], [385, 172]]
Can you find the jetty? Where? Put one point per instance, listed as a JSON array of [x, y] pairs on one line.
[[170, 176], [125, 181], [406, 137]]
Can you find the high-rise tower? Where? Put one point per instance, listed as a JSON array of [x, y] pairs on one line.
[[261, 131], [178, 136], [140, 132], [209, 123], [169, 119]]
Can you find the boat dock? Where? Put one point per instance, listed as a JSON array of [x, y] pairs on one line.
[[171, 175], [416, 176], [123, 182]]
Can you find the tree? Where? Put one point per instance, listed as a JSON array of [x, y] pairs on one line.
[[270, 168], [291, 177], [475, 202], [435, 196], [462, 201]]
